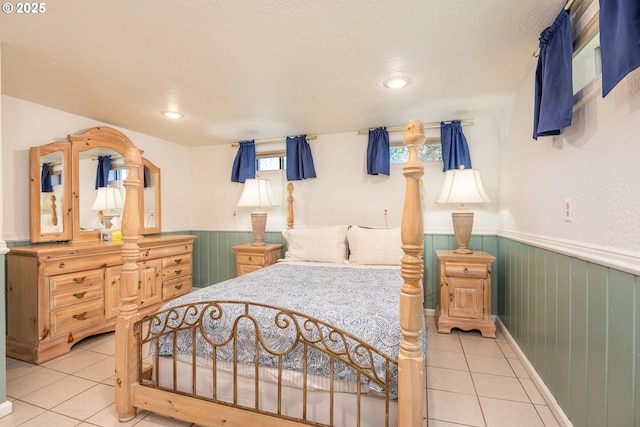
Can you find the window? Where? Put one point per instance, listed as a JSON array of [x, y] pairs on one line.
[[586, 63], [271, 162], [431, 151]]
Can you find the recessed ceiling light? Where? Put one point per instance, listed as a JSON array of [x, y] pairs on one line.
[[396, 82], [172, 114]]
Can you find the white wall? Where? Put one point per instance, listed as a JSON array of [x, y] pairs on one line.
[[197, 193], [343, 193], [25, 124], [594, 163]]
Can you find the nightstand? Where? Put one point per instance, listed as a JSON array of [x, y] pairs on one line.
[[251, 258], [465, 292]]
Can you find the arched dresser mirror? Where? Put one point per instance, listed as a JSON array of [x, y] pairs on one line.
[[81, 209]]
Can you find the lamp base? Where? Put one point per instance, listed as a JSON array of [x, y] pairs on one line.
[[462, 226], [258, 225]]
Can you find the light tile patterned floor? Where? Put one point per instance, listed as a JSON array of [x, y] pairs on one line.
[[476, 381], [472, 381]]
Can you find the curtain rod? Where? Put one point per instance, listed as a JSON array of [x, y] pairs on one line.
[[431, 125], [272, 140]]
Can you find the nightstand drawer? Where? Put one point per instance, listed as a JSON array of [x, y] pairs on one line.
[[250, 259], [465, 270], [244, 268]]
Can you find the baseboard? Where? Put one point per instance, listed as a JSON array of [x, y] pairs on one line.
[[552, 403], [537, 380], [5, 408]]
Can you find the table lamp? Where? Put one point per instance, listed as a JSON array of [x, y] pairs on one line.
[[108, 199], [462, 186], [257, 194]]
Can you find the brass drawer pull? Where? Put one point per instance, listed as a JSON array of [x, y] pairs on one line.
[[80, 279], [178, 261], [178, 287], [80, 295], [61, 265], [81, 316], [146, 253], [466, 270], [250, 259], [178, 271]]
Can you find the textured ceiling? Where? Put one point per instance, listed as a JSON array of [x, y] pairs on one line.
[[269, 68]]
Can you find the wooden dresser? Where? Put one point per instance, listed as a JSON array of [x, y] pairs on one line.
[[59, 294], [252, 257], [465, 292]]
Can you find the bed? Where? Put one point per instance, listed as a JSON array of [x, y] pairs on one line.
[[308, 364]]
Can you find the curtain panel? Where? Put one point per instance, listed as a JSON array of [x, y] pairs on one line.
[[45, 179], [553, 98], [378, 155], [102, 171], [244, 165], [299, 159], [619, 40], [455, 150]]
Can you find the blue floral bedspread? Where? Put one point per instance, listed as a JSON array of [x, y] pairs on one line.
[[361, 301]]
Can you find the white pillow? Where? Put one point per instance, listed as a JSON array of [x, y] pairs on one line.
[[325, 244], [375, 246]]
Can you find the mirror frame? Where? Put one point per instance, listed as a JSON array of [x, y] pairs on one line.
[[35, 153], [157, 212], [98, 137]]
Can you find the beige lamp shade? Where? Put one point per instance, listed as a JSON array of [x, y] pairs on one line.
[[108, 198], [257, 193], [462, 186]]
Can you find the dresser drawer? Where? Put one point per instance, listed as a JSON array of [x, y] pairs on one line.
[[175, 271], [173, 251], [73, 288], [76, 316], [69, 265], [250, 259], [466, 270], [176, 287], [176, 261]]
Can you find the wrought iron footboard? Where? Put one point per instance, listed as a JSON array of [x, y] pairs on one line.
[[243, 335]]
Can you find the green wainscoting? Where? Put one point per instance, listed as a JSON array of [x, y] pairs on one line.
[[578, 323], [214, 260]]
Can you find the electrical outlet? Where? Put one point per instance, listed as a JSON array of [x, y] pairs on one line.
[[568, 210]]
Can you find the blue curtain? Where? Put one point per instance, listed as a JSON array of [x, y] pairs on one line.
[[378, 155], [102, 172], [244, 165], [45, 178], [619, 40], [455, 150], [553, 98], [299, 159]]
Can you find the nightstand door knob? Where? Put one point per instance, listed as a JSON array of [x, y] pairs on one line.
[[451, 297]]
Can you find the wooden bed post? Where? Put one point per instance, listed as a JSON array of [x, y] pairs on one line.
[[410, 360], [126, 351], [290, 205]]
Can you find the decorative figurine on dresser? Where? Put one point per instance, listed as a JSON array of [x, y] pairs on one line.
[[67, 289], [465, 292]]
